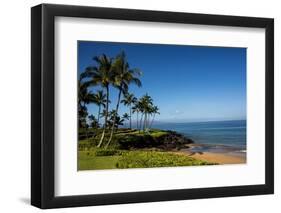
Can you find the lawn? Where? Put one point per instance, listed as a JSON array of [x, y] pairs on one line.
[[88, 161], [134, 149], [153, 132], [150, 159], [126, 139], [93, 160]]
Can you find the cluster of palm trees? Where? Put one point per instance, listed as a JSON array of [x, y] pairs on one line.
[[113, 72]]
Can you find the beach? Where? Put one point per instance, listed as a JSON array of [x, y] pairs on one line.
[[221, 142], [220, 158], [218, 154]]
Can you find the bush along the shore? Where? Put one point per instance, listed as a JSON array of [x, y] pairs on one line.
[[134, 149], [159, 139], [107, 152], [123, 159], [165, 140], [172, 140], [149, 159]]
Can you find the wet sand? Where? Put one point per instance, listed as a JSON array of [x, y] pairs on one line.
[[223, 156], [220, 158]]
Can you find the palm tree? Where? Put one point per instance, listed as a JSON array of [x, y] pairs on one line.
[[136, 108], [123, 76], [82, 100], [110, 117], [149, 112], [101, 75], [126, 116], [154, 111], [128, 100], [118, 121], [146, 104], [84, 97], [82, 112], [103, 114], [93, 121], [100, 101]]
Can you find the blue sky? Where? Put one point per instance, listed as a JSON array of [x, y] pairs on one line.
[[188, 83]]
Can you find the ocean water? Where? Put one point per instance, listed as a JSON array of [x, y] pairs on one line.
[[214, 135]]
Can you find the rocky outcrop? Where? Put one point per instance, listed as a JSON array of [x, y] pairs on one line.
[[170, 140], [173, 140]]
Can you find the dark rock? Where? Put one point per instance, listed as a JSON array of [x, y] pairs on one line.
[[173, 140]]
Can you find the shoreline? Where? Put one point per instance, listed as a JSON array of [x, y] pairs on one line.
[[215, 148], [215, 157], [175, 142]]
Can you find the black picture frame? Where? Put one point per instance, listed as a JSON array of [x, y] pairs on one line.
[[43, 102]]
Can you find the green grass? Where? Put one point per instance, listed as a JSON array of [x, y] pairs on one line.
[[88, 160], [149, 159], [126, 139], [128, 132], [158, 133], [127, 150], [86, 144], [153, 132]]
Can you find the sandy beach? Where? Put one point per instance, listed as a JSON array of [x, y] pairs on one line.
[[214, 157], [219, 158]]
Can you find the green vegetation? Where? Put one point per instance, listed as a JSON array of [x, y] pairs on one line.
[[149, 159], [107, 152], [95, 84], [157, 134], [134, 149], [117, 159], [88, 161], [126, 139]]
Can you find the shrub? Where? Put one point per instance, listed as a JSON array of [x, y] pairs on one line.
[[158, 133], [107, 152], [88, 133], [135, 141], [147, 159], [85, 145]]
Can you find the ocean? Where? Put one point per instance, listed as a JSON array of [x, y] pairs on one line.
[[216, 136]]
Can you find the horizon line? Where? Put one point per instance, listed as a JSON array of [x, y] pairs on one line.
[[157, 121]]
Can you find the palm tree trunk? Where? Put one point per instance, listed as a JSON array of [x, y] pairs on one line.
[[105, 117], [144, 121], [130, 117], [147, 117], [99, 115], [137, 120], [86, 129], [140, 123], [152, 121], [114, 119], [147, 122], [143, 126]]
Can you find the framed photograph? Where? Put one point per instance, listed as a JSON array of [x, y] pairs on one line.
[[139, 106]]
